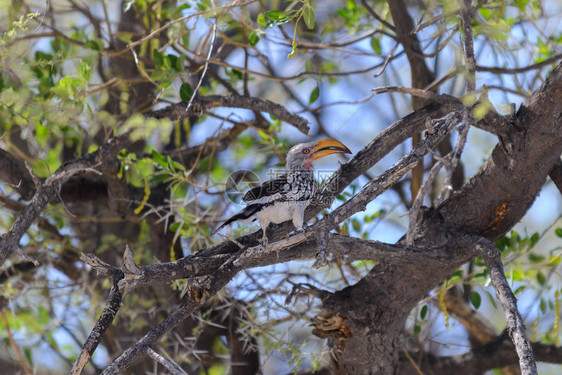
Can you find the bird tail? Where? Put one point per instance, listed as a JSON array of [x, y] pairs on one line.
[[245, 214]]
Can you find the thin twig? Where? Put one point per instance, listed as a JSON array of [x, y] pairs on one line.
[[206, 66], [414, 92], [169, 365], [492, 69], [13, 343]]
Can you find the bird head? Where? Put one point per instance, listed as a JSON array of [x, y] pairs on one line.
[[302, 155]]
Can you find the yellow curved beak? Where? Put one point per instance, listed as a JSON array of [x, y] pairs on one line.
[[325, 147]]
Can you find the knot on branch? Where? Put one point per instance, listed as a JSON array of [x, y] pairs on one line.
[[127, 278]]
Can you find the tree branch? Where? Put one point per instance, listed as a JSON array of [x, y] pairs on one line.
[[498, 353], [14, 172], [199, 294], [202, 103], [496, 70], [104, 322], [515, 325], [51, 187]]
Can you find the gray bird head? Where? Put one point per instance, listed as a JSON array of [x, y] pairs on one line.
[[302, 155]]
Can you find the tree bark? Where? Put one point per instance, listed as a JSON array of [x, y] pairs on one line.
[[375, 309]]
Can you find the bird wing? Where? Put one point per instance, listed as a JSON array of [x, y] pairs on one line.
[[271, 190]]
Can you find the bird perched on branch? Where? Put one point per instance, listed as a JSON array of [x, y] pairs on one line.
[[287, 196]]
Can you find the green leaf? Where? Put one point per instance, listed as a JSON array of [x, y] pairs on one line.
[[314, 95], [554, 260], [356, 225], [534, 239], [94, 44], [541, 278], [158, 57], [536, 258], [308, 15], [475, 299], [417, 329], [376, 45], [558, 232], [261, 19], [423, 312], [186, 92], [254, 38], [276, 15], [159, 158]]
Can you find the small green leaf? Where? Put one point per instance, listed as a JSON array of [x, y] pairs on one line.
[[93, 44], [554, 260], [186, 92], [261, 19], [308, 15], [254, 38], [558, 232], [423, 312], [314, 95], [534, 239], [536, 258], [541, 278], [276, 15], [417, 329], [158, 57], [475, 299], [376, 45], [159, 158]]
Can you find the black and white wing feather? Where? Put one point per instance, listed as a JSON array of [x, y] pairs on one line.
[[294, 187], [269, 191]]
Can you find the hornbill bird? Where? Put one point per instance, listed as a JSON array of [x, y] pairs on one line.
[[286, 197]]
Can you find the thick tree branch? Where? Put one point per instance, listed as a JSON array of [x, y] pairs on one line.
[[532, 145], [202, 103]]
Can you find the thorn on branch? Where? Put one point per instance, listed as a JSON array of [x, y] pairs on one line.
[[168, 364], [129, 263]]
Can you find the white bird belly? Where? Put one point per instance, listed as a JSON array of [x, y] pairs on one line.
[[283, 211]]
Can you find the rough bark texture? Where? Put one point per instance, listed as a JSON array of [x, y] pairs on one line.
[[374, 310]]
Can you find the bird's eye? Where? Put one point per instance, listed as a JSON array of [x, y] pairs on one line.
[[306, 151]]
